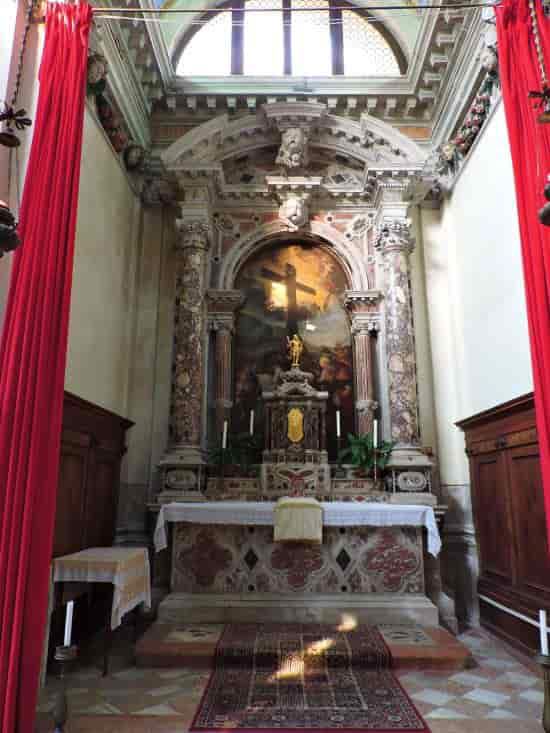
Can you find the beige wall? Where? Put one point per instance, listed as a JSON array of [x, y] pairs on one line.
[[477, 322], [104, 274]]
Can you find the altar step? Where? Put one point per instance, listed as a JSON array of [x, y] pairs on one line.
[[194, 645]]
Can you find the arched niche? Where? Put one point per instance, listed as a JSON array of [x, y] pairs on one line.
[[292, 284], [318, 233]]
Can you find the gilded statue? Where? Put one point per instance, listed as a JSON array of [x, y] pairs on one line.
[[295, 348]]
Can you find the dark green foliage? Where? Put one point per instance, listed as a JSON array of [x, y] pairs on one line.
[[360, 453]]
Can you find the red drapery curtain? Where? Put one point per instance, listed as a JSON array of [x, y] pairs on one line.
[[530, 147], [32, 360]]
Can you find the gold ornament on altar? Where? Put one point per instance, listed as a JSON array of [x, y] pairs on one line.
[[295, 348], [295, 425]]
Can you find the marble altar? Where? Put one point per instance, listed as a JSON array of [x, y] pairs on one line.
[[249, 278], [226, 565]]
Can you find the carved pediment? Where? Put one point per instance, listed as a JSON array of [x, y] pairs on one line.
[[369, 142]]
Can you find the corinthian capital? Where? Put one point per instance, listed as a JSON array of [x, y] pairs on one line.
[[395, 236], [193, 234]]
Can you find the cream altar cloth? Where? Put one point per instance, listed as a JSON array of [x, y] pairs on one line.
[[127, 568], [298, 519], [335, 514]]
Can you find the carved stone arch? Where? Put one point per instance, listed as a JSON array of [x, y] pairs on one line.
[[327, 237], [204, 144]]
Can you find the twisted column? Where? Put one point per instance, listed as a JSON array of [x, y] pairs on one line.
[[362, 307], [395, 243], [188, 365]]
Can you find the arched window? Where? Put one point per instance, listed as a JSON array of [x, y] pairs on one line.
[[284, 37]]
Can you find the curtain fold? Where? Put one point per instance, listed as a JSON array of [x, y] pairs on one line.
[[530, 148], [32, 360]]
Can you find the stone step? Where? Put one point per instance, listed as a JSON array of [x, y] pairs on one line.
[[194, 645]]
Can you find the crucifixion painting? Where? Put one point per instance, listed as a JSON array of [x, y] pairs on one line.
[[292, 289], [291, 285]]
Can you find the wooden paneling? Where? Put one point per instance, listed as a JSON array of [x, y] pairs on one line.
[[509, 515], [92, 446]]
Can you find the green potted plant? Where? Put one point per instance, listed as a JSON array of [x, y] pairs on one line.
[[360, 452], [227, 457], [248, 450], [242, 451]]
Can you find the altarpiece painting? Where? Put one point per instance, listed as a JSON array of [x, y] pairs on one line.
[[293, 288]]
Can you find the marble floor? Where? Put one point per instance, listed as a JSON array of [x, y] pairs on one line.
[[498, 693]]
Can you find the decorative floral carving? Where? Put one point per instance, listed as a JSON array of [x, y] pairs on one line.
[[299, 561], [294, 152], [391, 561], [98, 68], [205, 558], [134, 156], [294, 212]]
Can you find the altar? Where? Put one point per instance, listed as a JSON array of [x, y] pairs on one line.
[[294, 340], [371, 564]]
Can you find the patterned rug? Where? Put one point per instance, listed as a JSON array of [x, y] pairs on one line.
[[304, 677]]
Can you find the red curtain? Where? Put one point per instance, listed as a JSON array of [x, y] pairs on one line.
[[530, 147], [32, 360]]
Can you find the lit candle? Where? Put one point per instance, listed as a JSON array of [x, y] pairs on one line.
[[375, 434], [543, 633], [68, 623], [337, 423], [251, 422], [224, 438]]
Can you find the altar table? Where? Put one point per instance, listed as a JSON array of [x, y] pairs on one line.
[[335, 514]]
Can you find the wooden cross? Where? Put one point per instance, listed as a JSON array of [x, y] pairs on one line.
[[292, 286]]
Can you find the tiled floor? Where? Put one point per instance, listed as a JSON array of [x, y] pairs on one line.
[[497, 694]]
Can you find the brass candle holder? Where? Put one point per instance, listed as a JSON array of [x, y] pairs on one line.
[[65, 656], [544, 661]]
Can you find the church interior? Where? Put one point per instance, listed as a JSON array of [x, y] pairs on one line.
[[296, 449]]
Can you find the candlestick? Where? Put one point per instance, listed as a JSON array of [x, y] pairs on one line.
[[543, 633], [224, 438], [68, 623], [375, 434], [338, 434], [251, 422]]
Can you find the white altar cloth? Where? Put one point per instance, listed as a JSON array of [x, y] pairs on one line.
[[335, 514]]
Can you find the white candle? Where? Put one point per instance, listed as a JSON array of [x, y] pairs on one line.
[[68, 623], [337, 423], [224, 438], [543, 633], [375, 434], [251, 422]]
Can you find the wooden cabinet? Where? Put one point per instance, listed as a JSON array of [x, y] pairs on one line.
[[509, 515], [93, 442], [92, 445]]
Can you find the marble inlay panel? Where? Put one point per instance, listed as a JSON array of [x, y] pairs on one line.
[[233, 559]]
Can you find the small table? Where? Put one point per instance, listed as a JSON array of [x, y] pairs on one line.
[[126, 568]]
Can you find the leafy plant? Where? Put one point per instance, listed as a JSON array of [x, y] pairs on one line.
[[242, 450], [362, 454]]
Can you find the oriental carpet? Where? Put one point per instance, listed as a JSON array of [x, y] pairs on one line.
[[304, 677]]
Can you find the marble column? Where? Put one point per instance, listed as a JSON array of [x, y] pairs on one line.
[[395, 243], [222, 308], [182, 464], [362, 307]]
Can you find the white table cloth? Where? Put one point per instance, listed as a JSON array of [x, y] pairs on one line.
[[335, 514], [127, 568]]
